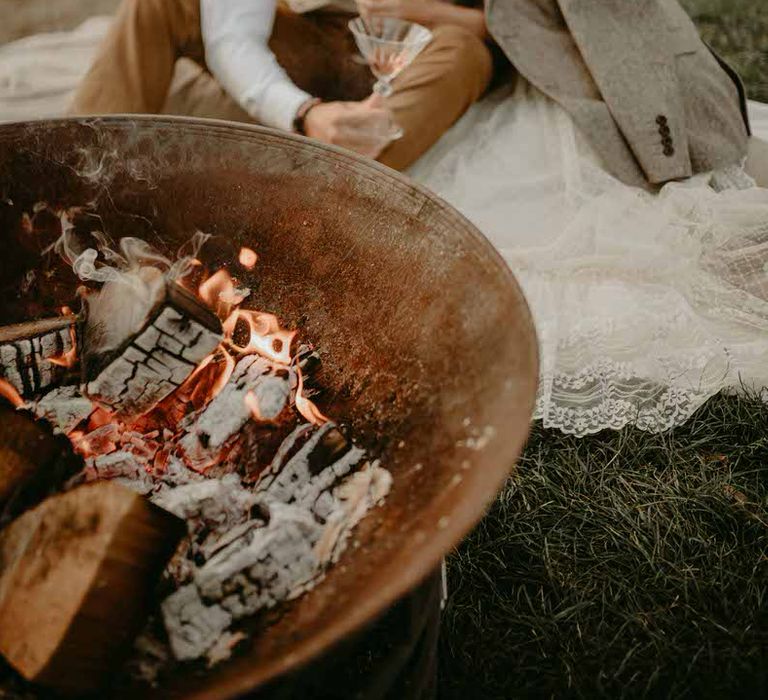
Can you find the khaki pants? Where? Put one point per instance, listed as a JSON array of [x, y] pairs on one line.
[[133, 70]]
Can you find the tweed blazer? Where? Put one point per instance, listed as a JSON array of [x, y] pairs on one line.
[[655, 103]]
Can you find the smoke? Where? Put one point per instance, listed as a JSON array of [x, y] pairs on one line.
[[132, 276]]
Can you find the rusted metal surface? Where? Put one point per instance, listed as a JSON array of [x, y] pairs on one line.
[[429, 353]]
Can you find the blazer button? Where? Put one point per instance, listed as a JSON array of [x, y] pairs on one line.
[[666, 141], [664, 130], [661, 119], [669, 151]]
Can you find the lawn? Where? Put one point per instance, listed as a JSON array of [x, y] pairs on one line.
[[627, 564]]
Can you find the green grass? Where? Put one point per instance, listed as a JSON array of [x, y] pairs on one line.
[[627, 564]]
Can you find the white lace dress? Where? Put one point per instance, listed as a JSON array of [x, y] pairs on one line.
[[645, 305]]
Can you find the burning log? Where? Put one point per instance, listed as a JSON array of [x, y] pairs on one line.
[[76, 580], [33, 461], [35, 356], [255, 389], [179, 333], [307, 478]]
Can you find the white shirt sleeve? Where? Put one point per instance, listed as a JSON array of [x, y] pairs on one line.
[[235, 35]]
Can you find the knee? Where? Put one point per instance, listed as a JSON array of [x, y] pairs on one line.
[[466, 53]]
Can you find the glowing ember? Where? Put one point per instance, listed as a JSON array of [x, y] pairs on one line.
[[8, 392], [248, 258]]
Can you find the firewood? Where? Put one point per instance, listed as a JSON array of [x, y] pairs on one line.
[[33, 461], [26, 351], [76, 578], [300, 480], [178, 334], [255, 390]]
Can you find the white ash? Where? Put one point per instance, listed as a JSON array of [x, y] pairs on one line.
[[216, 503], [64, 408], [293, 482], [311, 494], [176, 473], [352, 499], [223, 647], [122, 467], [209, 431], [260, 564], [262, 567], [193, 627]]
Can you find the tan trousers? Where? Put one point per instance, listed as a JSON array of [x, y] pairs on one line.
[[133, 70]]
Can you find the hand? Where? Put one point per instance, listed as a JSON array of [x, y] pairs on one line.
[[410, 10], [362, 127]]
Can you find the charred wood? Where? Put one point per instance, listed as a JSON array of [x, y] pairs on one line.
[[26, 351], [179, 333]]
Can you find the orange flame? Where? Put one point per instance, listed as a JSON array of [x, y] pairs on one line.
[[221, 293], [202, 388], [265, 336], [69, 358], [306, 407], [248, 258], [8, 391], [252, 403]]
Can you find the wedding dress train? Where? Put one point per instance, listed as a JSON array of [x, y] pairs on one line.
[[645, 304]]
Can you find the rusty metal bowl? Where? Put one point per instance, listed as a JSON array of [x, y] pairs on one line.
[[429, 353]]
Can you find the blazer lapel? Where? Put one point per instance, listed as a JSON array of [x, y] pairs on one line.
[[636, 75]]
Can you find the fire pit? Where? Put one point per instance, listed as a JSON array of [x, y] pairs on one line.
[[428, 352]]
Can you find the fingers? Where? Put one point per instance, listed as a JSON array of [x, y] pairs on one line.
[[382, 8], [374, 101], [363, 127]]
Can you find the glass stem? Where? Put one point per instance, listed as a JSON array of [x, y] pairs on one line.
[[383, 88]]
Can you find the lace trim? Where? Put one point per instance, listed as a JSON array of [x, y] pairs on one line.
[[731, 177], [650, 407]]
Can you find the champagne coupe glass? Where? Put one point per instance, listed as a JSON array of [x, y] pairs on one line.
[[388, 45]]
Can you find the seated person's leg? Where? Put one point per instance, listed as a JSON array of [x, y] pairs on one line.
[[433, 92], [194, 92], [134, 66]]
